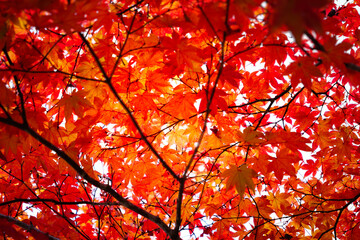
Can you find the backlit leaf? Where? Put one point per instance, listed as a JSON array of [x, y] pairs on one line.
[[240, 177]]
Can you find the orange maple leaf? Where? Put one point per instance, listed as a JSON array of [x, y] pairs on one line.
[[250, 136], [76, 102], [240, 177]]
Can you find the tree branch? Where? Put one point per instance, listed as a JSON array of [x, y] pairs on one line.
[[271, 103], [320, 47], [17, 83], [42, 200], [122, 103], [124, 202], [197, 147], [28, 227]]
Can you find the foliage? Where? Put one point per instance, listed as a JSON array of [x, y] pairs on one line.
[[146, 119]]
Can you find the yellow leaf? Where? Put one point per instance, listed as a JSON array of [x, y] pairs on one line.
[[240, 177]]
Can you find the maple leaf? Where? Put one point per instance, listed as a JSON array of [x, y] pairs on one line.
[[88, 166], [185, 53], [6, 95], [311, 168], [10, 141], [280, 203], [76, 102], [250, 136], [182, 106], [240, 177], [292, 140], [298, 16], [217, 102], [336, 53], [284, 163], [231, 76], [303, 70]]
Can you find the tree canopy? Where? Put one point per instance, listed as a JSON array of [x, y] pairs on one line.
[[179, 119]]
